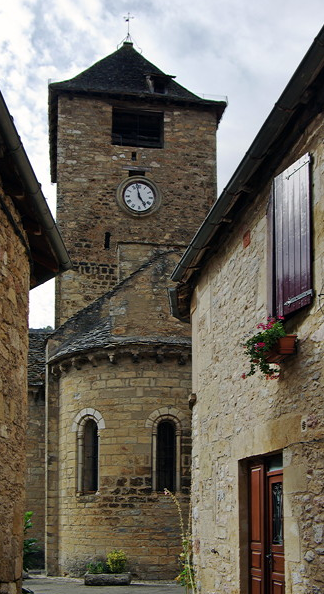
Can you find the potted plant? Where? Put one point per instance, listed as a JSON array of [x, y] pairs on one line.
[[116, 561], [110, 573], [270, 345]]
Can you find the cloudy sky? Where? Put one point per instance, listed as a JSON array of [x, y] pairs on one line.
[[245, 50]]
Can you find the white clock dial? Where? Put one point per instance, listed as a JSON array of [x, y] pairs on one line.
[[139, 196]]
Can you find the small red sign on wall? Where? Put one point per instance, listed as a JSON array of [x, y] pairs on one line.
[[246, 238]]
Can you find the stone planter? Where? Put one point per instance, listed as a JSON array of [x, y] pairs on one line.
[[107, 579], [285, 346]]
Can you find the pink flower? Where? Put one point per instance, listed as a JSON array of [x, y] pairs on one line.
[[260, 344], [243, 376]]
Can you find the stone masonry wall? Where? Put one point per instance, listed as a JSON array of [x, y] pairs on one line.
[[89, 171], [14, 287], [125, 513], [35, 438], [35, 477], [235, 419]]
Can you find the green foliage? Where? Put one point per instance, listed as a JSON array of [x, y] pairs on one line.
[[97, 567], [258, 346], [116, 561], [30, 547], [186, 576]]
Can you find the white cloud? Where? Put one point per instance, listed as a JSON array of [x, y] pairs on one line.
[[245, 50]]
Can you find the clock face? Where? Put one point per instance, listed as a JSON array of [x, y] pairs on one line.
[[139, 196]]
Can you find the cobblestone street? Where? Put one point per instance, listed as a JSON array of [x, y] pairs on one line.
[[59, 585]]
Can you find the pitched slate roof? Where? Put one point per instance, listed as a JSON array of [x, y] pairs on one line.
[[100, 337], [93, 328], [123, 75], [124, 71]]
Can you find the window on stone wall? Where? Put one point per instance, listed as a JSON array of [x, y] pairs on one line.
[[166, 456], [289, 228], [166, 448], [87, 425], [90, 457], [137, 128]]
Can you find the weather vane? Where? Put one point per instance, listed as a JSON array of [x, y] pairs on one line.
[[128, 38], [127, 19]]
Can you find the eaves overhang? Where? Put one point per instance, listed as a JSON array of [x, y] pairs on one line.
[[166, 346], [301, 100], [47, 252]]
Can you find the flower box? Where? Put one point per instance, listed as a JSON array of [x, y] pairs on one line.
[[107, 579], [285, 346]]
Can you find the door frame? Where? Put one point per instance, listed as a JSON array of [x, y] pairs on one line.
[[261, 578]]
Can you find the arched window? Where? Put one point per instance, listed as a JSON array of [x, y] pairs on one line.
[[167, 424], [166, 456], [90, 457], [87, 425]]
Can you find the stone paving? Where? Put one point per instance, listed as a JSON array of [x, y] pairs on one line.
[[59, 585]]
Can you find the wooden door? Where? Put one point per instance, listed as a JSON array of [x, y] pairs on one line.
[[266, 559]]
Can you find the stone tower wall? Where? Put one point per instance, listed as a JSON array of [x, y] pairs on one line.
[[126, 513], [90, 169], [14, 287]]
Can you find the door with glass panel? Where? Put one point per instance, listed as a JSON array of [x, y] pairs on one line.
[[266, 551]]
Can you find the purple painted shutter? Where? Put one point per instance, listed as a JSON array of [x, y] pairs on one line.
[[271, 308], [292, 238]]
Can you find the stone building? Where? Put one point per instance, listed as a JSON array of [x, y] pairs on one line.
[[133, 155], [257, 473], [35, 439], [31, 252]]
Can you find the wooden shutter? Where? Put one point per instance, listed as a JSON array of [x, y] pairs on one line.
[[292, 238], [271, 305]]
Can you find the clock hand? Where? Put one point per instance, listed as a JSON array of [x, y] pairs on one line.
[[139, 196]]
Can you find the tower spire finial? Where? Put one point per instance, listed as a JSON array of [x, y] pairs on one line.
[[128, 38], [127, 20]]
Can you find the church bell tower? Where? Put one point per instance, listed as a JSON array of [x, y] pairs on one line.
[[133, 155]]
